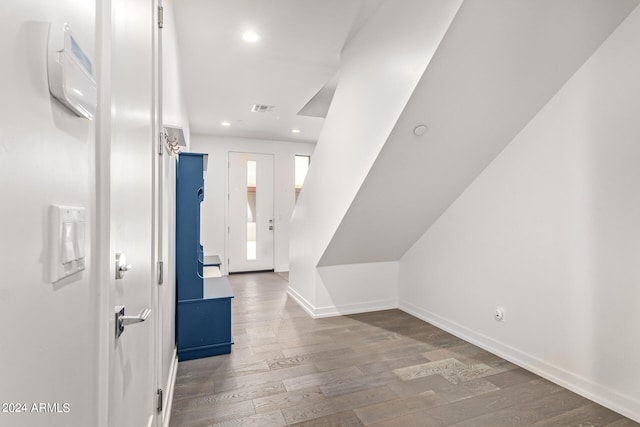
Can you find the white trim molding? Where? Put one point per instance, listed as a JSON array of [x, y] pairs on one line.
[[347, 309], [341, 310], [623, 404], [301, 301], [169, 389]]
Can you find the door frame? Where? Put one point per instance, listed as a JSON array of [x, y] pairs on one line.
[[158, 213], [227, 245], [101, 242]]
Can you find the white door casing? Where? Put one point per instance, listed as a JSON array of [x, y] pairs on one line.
[[160, 211], [250, 212]]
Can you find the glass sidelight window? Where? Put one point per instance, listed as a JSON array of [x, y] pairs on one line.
[[251, 209]]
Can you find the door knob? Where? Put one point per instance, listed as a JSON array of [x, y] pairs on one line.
[[122, 320]]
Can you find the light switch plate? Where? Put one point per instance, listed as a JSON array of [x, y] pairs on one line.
[[66, 241]]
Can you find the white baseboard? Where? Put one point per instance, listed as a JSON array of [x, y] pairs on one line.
[[170, 386], [341, 310], [625, 405], [347, 309], [302, 302]]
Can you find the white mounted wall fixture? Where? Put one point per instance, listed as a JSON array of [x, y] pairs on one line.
[[70, 72]]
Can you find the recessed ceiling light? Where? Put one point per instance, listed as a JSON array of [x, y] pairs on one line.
[[250, 37], [295, 130], [225, 124]]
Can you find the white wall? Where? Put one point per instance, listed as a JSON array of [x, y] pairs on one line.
[[49, 331], [550, 232], [379, 70], [213, 213], [339, 297], [173, 100]]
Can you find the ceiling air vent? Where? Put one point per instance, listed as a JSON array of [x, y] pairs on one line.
[[260, 108]]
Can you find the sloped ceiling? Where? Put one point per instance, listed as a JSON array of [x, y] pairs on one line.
[[497, 66]]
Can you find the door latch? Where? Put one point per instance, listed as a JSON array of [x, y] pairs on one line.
[[121, 265]]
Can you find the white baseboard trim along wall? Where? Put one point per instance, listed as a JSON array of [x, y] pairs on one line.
[[625, 405], [341, 310], [302, 302], [347, 309]]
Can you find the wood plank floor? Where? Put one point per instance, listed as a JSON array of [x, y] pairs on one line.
[[381, 369]]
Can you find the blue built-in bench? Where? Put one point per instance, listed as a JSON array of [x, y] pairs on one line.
[[204, 325], [203, 312]]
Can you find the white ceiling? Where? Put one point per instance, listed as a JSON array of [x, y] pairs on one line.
[[298, 53]]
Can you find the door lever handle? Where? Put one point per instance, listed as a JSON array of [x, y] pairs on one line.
[[141, 317], [122, 320]]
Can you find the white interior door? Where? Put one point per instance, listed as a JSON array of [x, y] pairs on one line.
[[250, 212], [132, 356]]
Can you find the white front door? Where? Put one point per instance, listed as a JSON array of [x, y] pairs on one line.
[[250, 213], [130, 129]]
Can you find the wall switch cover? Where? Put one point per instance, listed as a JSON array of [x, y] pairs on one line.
[[66, 241]]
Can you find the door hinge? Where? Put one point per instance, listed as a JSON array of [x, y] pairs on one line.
[[160, 272], [159, 407], [160, 17], [160, 144]]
